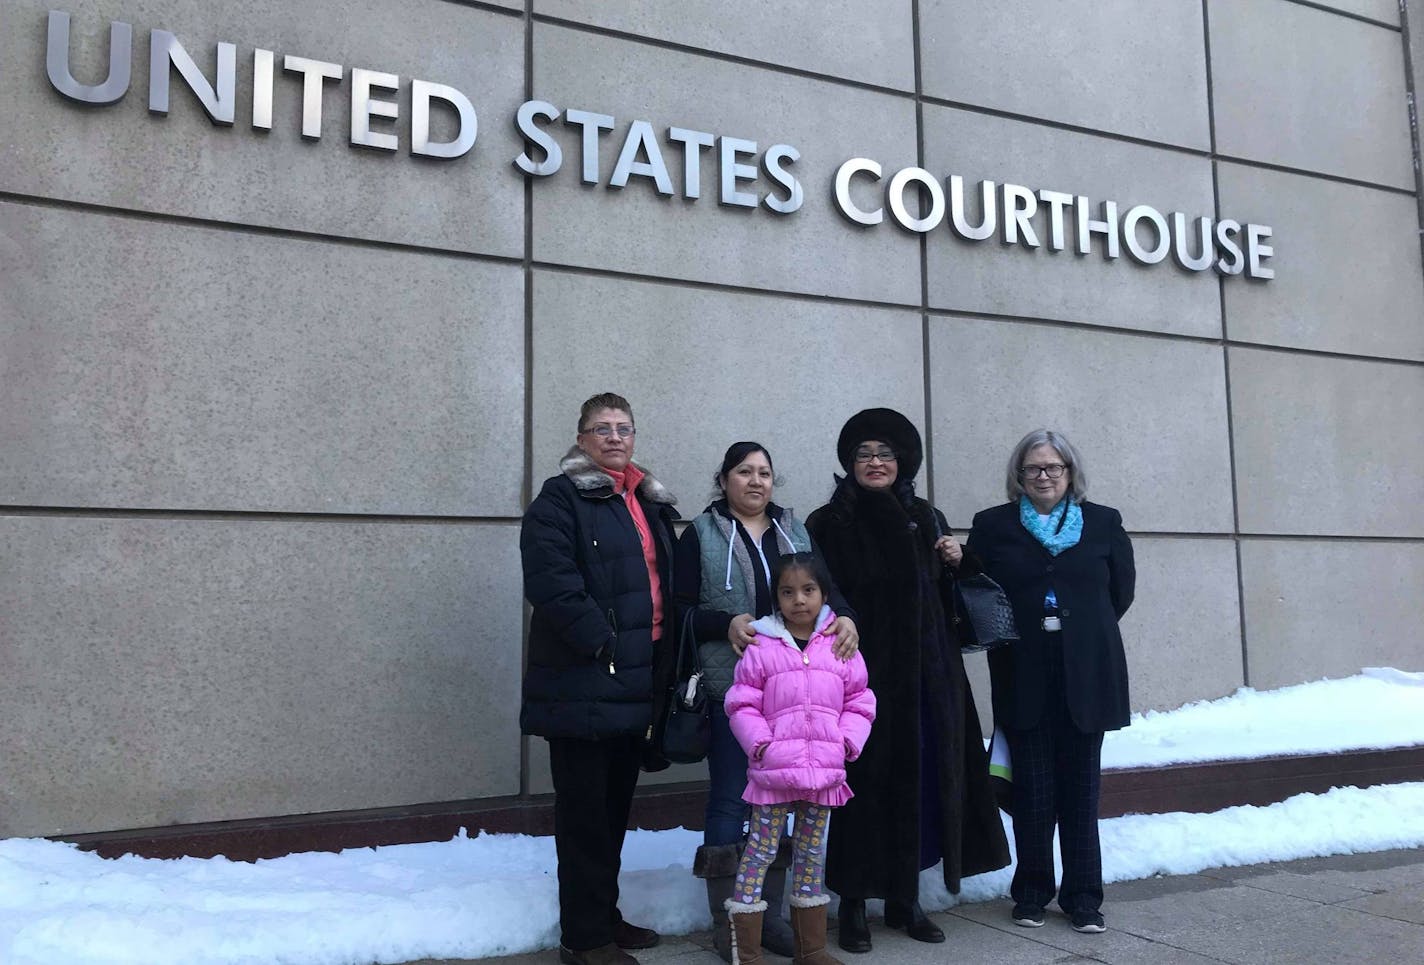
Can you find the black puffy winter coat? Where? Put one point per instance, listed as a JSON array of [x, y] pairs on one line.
[[592, 665]]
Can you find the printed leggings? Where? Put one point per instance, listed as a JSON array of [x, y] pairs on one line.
[[808, 849]]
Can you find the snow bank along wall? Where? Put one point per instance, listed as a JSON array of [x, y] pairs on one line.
[[280, 372]]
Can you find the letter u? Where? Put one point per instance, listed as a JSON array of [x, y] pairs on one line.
[[988, 203], [114, 87]]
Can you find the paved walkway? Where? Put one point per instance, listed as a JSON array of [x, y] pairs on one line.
[[1366, 908]]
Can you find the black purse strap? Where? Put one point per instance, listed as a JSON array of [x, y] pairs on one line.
[[687, 647]]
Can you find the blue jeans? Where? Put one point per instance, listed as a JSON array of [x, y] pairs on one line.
[[726, 814]]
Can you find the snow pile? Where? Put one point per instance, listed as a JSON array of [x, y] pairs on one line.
[[1380, 708], [497, 894]]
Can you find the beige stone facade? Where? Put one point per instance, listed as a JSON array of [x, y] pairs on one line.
[[271, 406]]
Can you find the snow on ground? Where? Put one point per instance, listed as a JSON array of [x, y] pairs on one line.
[[496, 894]]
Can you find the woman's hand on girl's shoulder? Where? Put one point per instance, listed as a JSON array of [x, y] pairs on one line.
[[847, 638], [740, 633]]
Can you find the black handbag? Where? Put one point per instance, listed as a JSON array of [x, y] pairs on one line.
[[980, 609], [686, 728], [984, 614]]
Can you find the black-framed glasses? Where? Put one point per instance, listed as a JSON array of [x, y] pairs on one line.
[[866, 455], [1053, 470], [603, 432]]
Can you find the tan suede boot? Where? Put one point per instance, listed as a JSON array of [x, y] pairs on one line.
[[746, 931], [808, 925], [717, 865]]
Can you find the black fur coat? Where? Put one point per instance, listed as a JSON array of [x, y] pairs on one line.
[[880, 552]]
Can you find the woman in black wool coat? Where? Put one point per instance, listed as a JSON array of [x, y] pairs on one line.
[[1067, 567], [922, 792]]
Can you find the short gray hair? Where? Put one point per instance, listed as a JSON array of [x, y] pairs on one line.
[[1078, 477]]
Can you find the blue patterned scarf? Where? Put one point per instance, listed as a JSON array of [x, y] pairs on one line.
[[1053, 538]]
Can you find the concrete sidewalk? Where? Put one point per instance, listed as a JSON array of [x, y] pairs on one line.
[[1366, 908]]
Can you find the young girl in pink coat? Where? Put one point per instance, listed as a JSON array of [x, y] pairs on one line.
[[800, 713]]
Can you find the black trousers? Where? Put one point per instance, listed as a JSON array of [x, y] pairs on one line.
[[593, 791], [1057, 779]]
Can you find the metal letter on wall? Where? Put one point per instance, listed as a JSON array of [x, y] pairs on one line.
[[895, 194], [848, 207], [363, 108], [593, 125], [553, 154], [988, 205], [421, 91], [641, 138], [731, 170], [314, 74], [1020, 205], [692, 144], [775, 160], [1130, 221], [262, 71], [114, 87], [1181, 243], [219, 100], [1089, 226], [1056, 201], [1257, 251]]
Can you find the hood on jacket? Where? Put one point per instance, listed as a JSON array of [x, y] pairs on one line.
[[588, 477], [773, 626]]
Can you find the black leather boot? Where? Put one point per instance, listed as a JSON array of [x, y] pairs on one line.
[[913, 919], [854, 932]]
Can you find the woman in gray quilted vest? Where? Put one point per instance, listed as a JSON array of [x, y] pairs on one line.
[[722, 574]]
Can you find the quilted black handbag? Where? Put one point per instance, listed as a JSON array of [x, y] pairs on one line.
[[980, 610], [686, 729], [984, 616]]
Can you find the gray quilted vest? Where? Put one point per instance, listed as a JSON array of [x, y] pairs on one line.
[[737, 595]]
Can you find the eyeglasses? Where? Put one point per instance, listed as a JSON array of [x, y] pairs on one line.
[[603, 431], [1054, 470], [866, 455]]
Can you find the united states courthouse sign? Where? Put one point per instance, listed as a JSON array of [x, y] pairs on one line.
[[918, 201]]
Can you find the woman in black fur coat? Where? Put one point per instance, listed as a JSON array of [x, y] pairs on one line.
[[922, 792]]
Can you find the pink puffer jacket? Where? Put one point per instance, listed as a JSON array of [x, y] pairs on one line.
[[809, 710]]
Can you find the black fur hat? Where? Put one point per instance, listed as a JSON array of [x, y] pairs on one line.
[[888, 426]]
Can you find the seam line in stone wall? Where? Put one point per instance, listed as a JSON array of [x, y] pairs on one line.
[[528, 271], [1318, 175], [937, 312], [487, 7], [1197, 152], [683, 283], [238, 227], [982, 109], [256, 515], [513, 521], [1347, 14], [739, 59], [1324, 354], [1226, 358], [1330, 538], [923, 248], [1412, 95]]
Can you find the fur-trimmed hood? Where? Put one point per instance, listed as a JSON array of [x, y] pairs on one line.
[[773, 626], [588, 478]]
